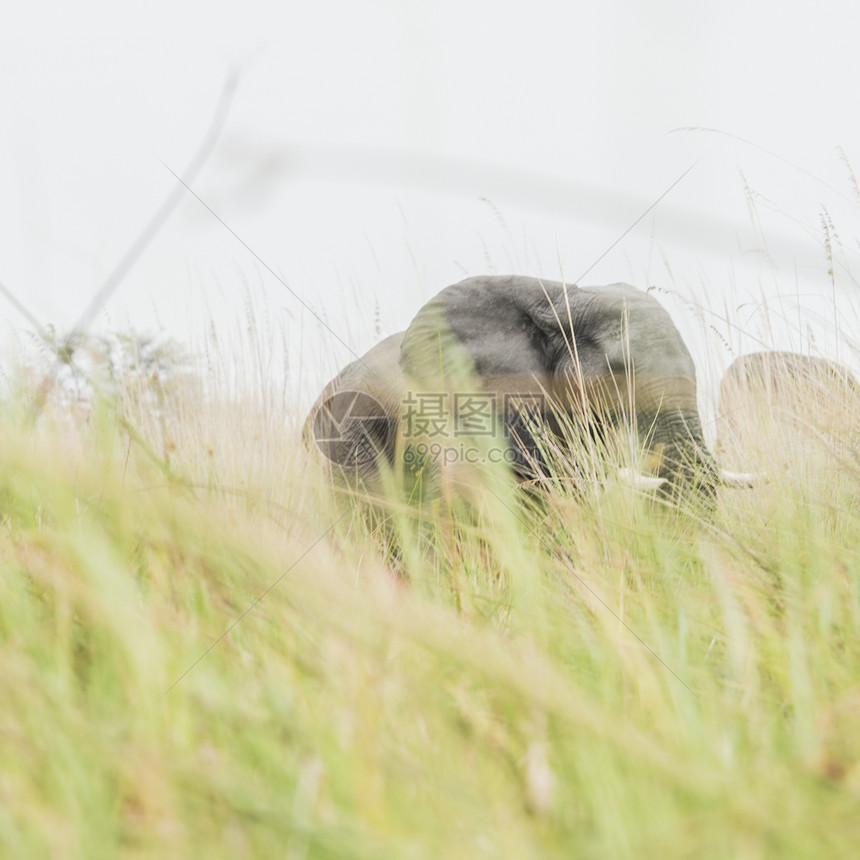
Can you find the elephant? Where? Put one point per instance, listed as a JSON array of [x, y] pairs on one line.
[[353, 422], [544, 358], [782, 377], [792, 397]]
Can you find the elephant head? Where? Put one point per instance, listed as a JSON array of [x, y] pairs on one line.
[[595, 357], [590, 359]]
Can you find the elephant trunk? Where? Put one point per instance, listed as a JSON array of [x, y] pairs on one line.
[[678, 453]]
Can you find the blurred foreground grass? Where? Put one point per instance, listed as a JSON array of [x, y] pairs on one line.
[[591, 677]]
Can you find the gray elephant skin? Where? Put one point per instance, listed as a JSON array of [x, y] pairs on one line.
[[601, 356], [355, 418]]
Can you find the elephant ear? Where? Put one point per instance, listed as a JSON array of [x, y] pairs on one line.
[[353, 423], [500, 329]]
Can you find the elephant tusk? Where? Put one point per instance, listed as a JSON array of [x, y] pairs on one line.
[[639, 482], [740, 479]]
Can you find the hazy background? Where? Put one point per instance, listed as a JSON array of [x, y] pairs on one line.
[[376, 152]]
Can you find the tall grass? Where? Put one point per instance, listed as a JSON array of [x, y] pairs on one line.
[[205, 653]]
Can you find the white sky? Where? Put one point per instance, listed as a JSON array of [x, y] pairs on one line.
[[377, 151]]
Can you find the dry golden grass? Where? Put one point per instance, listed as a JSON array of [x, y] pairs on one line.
[[205, 653]]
